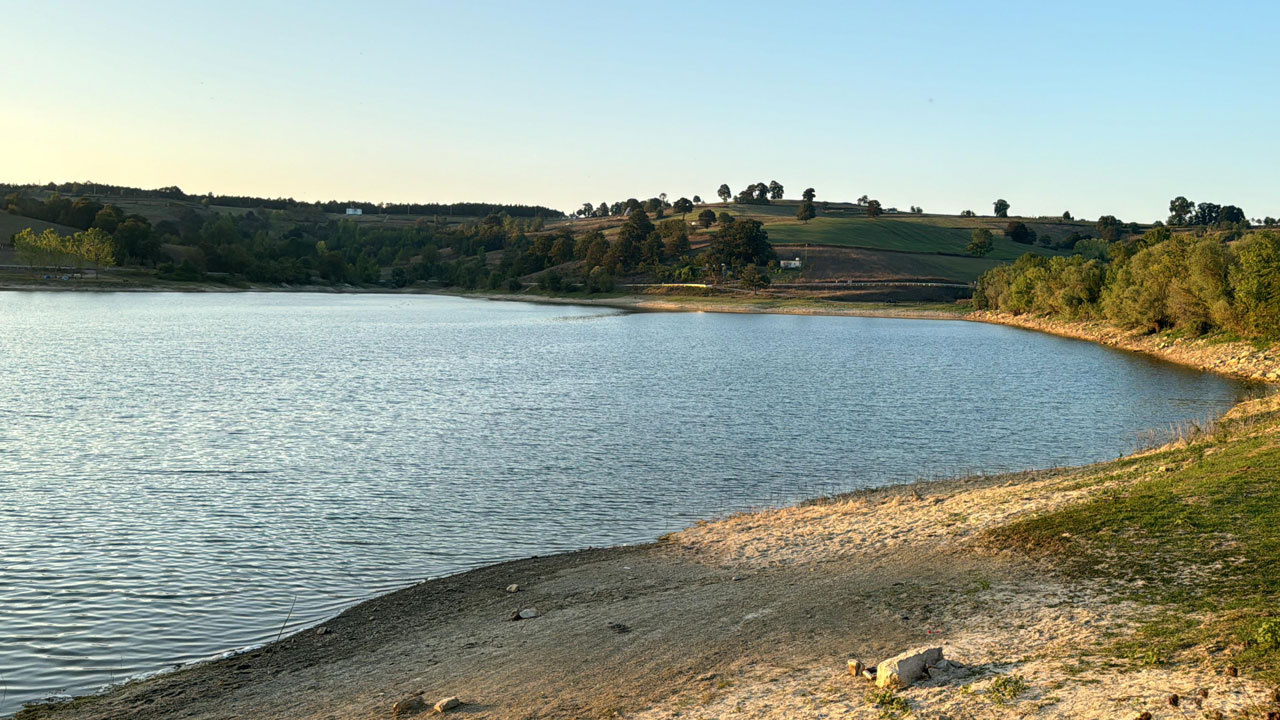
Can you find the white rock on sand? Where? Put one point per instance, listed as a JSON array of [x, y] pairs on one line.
[[905, 668]]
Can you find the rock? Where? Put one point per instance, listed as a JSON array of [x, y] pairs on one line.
[[856, 667], [936, 673], [869, 673], [447, 704], [1174, 700], [411, 705], [528, 613], [513, 588], [322, 631], [903, 669], [619, 628]]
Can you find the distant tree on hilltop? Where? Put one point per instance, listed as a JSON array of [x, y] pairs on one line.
[[724, 192], [809, 194], [1002, 208], [873, 208], [1180, 210], [775, 190], [682, 206], [806, 211]]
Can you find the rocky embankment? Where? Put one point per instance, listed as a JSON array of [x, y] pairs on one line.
[[1239, 359]]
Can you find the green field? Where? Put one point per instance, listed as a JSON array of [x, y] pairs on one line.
[[910, 236]]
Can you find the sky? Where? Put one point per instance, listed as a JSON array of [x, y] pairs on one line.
[[1089, 107]]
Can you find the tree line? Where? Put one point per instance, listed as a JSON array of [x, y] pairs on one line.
[[467, 209], [1193, 283], [52, 249]]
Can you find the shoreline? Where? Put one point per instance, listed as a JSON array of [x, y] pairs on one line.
[[752, 615]]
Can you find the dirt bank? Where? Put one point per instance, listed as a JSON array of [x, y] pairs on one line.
[[1238, 359]]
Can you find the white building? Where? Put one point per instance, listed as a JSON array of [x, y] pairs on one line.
[[790, 264], [355, 211]]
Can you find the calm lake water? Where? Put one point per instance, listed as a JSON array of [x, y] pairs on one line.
[[176, 469]]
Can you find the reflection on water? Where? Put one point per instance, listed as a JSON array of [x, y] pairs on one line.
[[175, 469]]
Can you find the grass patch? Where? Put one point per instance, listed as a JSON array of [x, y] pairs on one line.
[[1005, 689], [1196, 529], [889, 703]]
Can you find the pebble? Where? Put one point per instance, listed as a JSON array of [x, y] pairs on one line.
[[513, 588]]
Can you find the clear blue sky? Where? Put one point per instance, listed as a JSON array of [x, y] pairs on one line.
[[1093, 107]]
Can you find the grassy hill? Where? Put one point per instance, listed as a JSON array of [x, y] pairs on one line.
[[844, 244]]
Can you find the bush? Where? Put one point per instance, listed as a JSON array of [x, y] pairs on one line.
[[1268, 635]]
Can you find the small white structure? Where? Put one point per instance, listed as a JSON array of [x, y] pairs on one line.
[[790, 264], [355, 211]]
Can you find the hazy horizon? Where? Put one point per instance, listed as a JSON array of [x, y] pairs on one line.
[[1093, 109]]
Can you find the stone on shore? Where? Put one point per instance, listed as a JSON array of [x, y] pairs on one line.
[[447, 704], [903, 669], [528, 613], [856, 667], [406, 707], [513, 588]]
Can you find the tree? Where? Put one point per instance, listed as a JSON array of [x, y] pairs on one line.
[[682, 206], [1108, 228], [743, 242], [725, 193], [873, 208], [968, 213], [1256, 282], [603, 210], [707, 218], [1180, 210], [1002, 208], [808, 194], [587, 210], [675, 237], [863, 200], [697, 200], [1067, 216], [1019, 233], [775, 190], [630, 241], [805, 213], [1231, 214], [1206, 214], [751, 277], [762, 192], [724, 218], [981, 242]]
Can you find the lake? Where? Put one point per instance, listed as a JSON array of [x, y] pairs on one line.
[[178, 470]]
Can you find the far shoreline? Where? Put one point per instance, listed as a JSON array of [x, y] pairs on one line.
[[1233, 358]]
